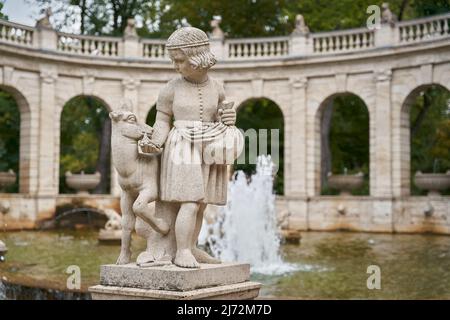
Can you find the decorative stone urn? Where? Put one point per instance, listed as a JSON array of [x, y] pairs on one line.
[[345, 183], [433, 182], [82, 182], [7, 178]]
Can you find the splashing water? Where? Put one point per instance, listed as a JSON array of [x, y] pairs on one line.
[[246, 228]]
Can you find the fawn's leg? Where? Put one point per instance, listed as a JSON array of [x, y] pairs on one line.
[[128, 220], [142, 210]]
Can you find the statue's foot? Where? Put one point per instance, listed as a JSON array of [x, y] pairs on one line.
[[145, 257], [203, 257], [185, 259], [124, 257]]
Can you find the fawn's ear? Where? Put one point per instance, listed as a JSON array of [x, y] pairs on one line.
[[115, 115]]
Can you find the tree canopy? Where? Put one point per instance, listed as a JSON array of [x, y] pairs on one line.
[[240, 18], [2, 15], [9, 136]]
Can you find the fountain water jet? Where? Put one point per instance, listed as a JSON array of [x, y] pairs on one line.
[[246, 228]]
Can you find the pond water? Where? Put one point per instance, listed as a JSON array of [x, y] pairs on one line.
[[329, 265]]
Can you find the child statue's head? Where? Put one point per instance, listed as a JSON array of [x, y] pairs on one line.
[[188, 48]]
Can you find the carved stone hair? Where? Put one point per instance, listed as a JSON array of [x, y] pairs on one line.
[[194, 43]]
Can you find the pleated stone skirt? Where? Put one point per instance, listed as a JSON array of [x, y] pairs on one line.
[[184, 176]]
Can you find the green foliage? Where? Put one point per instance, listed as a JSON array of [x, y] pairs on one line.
[[2, 15], [9, 136], [262, 114], [81, 122], [430, 146], [349, 135], [428, 8], [349, 140], [240, 18], [258, 18], [96, 17]]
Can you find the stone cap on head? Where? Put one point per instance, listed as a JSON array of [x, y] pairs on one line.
[[187, 37]]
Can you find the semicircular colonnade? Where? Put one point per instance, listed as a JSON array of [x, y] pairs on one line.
[[44, 69]]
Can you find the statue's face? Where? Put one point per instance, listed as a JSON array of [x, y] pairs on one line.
[[182, 64]]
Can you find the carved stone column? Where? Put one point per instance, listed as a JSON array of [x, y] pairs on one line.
[[296, 186], [48, 170], [381, 175]]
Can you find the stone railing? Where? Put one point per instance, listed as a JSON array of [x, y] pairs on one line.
[[341, 41], [15, 33], [154, 49], [424, 29], [297, 44], [88, 45], [257, 48]]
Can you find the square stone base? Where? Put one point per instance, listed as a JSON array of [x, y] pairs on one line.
[[210, 281], [239, 291]]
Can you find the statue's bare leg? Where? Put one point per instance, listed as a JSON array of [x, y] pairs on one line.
[[200, 255], [143, 210], [128, 221], [184, 231]]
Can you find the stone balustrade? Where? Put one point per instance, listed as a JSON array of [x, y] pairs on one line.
[[424, 29], [16, 34], [335, 42], [343, 41], [154, 49], [88, 45], [257, 48]]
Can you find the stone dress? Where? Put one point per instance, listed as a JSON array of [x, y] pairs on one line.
[[185, 177]]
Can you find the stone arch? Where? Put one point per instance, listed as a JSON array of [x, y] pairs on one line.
[[281, 154], [25, 167], [107, 108], [404, 135], [317, 132]]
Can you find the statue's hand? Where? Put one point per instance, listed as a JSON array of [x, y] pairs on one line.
[[147, 147], [228, 116]]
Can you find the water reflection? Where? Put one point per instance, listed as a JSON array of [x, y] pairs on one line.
[[330, 265]]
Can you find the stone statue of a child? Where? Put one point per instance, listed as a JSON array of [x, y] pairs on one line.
[[201, 117]]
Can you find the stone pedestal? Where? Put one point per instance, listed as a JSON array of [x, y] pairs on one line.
[[210, 281]]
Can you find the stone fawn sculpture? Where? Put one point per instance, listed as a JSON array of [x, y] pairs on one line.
[[137, 176]]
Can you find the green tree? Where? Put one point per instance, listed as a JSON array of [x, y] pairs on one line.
[[82, 123], [348, 139], [97, 17], [9, 136], [2, 15], [262, 114], [430, 132]]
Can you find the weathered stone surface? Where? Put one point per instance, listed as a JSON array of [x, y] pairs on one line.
[[240, 291], [173, 278]]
